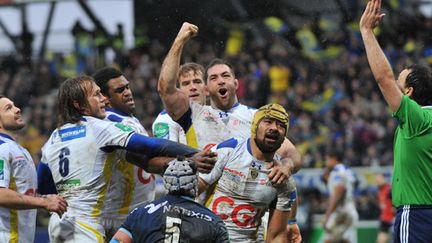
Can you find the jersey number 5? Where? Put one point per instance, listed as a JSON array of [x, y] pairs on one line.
[[172, 230], [64, 161]]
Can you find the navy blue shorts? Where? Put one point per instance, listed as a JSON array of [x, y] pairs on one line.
[[413, 224]]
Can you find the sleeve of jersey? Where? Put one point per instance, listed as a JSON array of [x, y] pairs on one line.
[[160, 128], [287, 197], [153, 147], [166, 128], [4, 165], [45, 180], [413, 119], [186, 120], [128, 225], [174, 131], [216, 172]]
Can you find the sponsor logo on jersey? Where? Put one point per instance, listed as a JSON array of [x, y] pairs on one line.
[[161, 130], [69, 184], [1, 169], [208, 117], [153, 208], [20, 162], [124, 128], [235, 172], [71, 133], [185, 211]]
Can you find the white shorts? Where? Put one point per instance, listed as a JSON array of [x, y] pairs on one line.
[[71, 229], [111, 225], [342, 224]]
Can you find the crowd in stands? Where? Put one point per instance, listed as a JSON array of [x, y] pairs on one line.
[[321, 76]]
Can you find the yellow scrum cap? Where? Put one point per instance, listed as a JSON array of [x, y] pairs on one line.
[[274, 111]]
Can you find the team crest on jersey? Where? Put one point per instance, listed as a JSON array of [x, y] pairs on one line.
[[1, 169], [124, 128], [254, 170], [161, 130], [254, 173]]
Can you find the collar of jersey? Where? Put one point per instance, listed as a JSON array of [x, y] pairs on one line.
[[249, 147], [230, 109], [6, 136], [121, 113]]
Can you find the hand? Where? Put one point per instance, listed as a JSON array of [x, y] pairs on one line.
[[204, 160], [55, 203], [280, 172], [187, 31], [324, 222], [372, 15], [293, 232]]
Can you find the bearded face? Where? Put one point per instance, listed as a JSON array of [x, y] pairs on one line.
[[10, 116], [270, 135]]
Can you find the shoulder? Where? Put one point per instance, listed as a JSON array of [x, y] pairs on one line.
[[195, 107], [5, 147], [163, 117], [113, 117], [340, 168], [248, 109], [97, 123], [230, 143], [3, 143]]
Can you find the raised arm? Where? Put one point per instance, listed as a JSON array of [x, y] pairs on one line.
[[378, 62], [175, 101]]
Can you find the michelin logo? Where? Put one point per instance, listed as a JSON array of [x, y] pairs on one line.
[[72, 133]]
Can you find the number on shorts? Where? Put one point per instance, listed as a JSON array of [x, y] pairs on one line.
[[64, 161], [172, 230]]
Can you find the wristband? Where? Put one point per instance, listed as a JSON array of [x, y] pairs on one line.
[[292, 221]]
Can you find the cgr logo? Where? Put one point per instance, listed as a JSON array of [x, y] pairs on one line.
[[243, 215]]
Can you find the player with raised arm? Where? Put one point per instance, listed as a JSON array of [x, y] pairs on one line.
[[78, 158], [341, 216], [18, 181], [243, 192], [410, 99], [191, 82], [175, 217], [205, 125]]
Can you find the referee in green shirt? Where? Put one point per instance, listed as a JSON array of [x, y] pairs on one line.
[[410, 99]]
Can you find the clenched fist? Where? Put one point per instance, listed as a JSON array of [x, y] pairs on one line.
[[187, 31]]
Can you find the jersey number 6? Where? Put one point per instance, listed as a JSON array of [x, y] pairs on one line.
[[64, 161]]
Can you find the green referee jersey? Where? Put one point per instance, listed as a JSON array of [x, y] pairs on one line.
[[412, 172]]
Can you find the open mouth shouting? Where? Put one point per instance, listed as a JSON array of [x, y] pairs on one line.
[[223, 92], [271, 137]]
